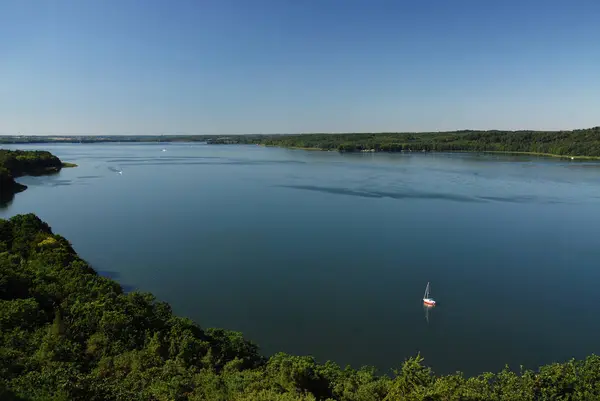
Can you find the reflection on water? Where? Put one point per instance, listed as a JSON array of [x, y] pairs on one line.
[[426, 309], [412, 194], [416, 194], [6, 198], [127, 288]]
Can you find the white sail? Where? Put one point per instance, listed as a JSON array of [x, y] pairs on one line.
[[427, 297]]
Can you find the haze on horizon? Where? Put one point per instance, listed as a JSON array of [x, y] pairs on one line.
[[234, 66]]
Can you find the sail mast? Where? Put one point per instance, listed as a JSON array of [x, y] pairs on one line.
[[426, 298]]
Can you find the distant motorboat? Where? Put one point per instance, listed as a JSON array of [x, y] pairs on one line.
[[427, 300]]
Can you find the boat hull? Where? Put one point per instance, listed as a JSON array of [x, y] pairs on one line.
[[428, 301]]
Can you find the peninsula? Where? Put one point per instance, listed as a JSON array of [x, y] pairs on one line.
[[66, 333], [17, 163]]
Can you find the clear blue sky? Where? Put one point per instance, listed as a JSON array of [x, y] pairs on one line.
[[259, 66]]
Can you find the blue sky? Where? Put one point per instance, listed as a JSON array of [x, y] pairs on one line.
[[265, 66]]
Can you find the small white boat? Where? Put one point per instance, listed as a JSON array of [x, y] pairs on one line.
[[427, 300]]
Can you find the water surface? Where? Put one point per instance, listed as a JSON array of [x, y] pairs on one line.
[[328, 254]]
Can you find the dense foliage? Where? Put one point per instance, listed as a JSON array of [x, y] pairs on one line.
[[7, 182], [29, 162], [15, 163], [67, 333], [584, 142], [576, 143]]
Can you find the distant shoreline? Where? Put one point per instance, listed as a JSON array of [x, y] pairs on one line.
[[582, 144], [541, 154], [550, 155]]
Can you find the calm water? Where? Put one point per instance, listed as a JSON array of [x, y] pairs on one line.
[[328, 254]]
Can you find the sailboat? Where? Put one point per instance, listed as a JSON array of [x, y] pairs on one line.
[[427, 300]]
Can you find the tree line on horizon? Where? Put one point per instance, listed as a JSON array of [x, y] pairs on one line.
[[584, 142], [580, 142], [67, 333]]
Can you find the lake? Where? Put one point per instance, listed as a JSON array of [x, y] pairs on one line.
[[329, 254]]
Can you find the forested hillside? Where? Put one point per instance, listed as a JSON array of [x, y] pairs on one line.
[[16, 163], [67, 333], [585, 142], [29, 162]]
